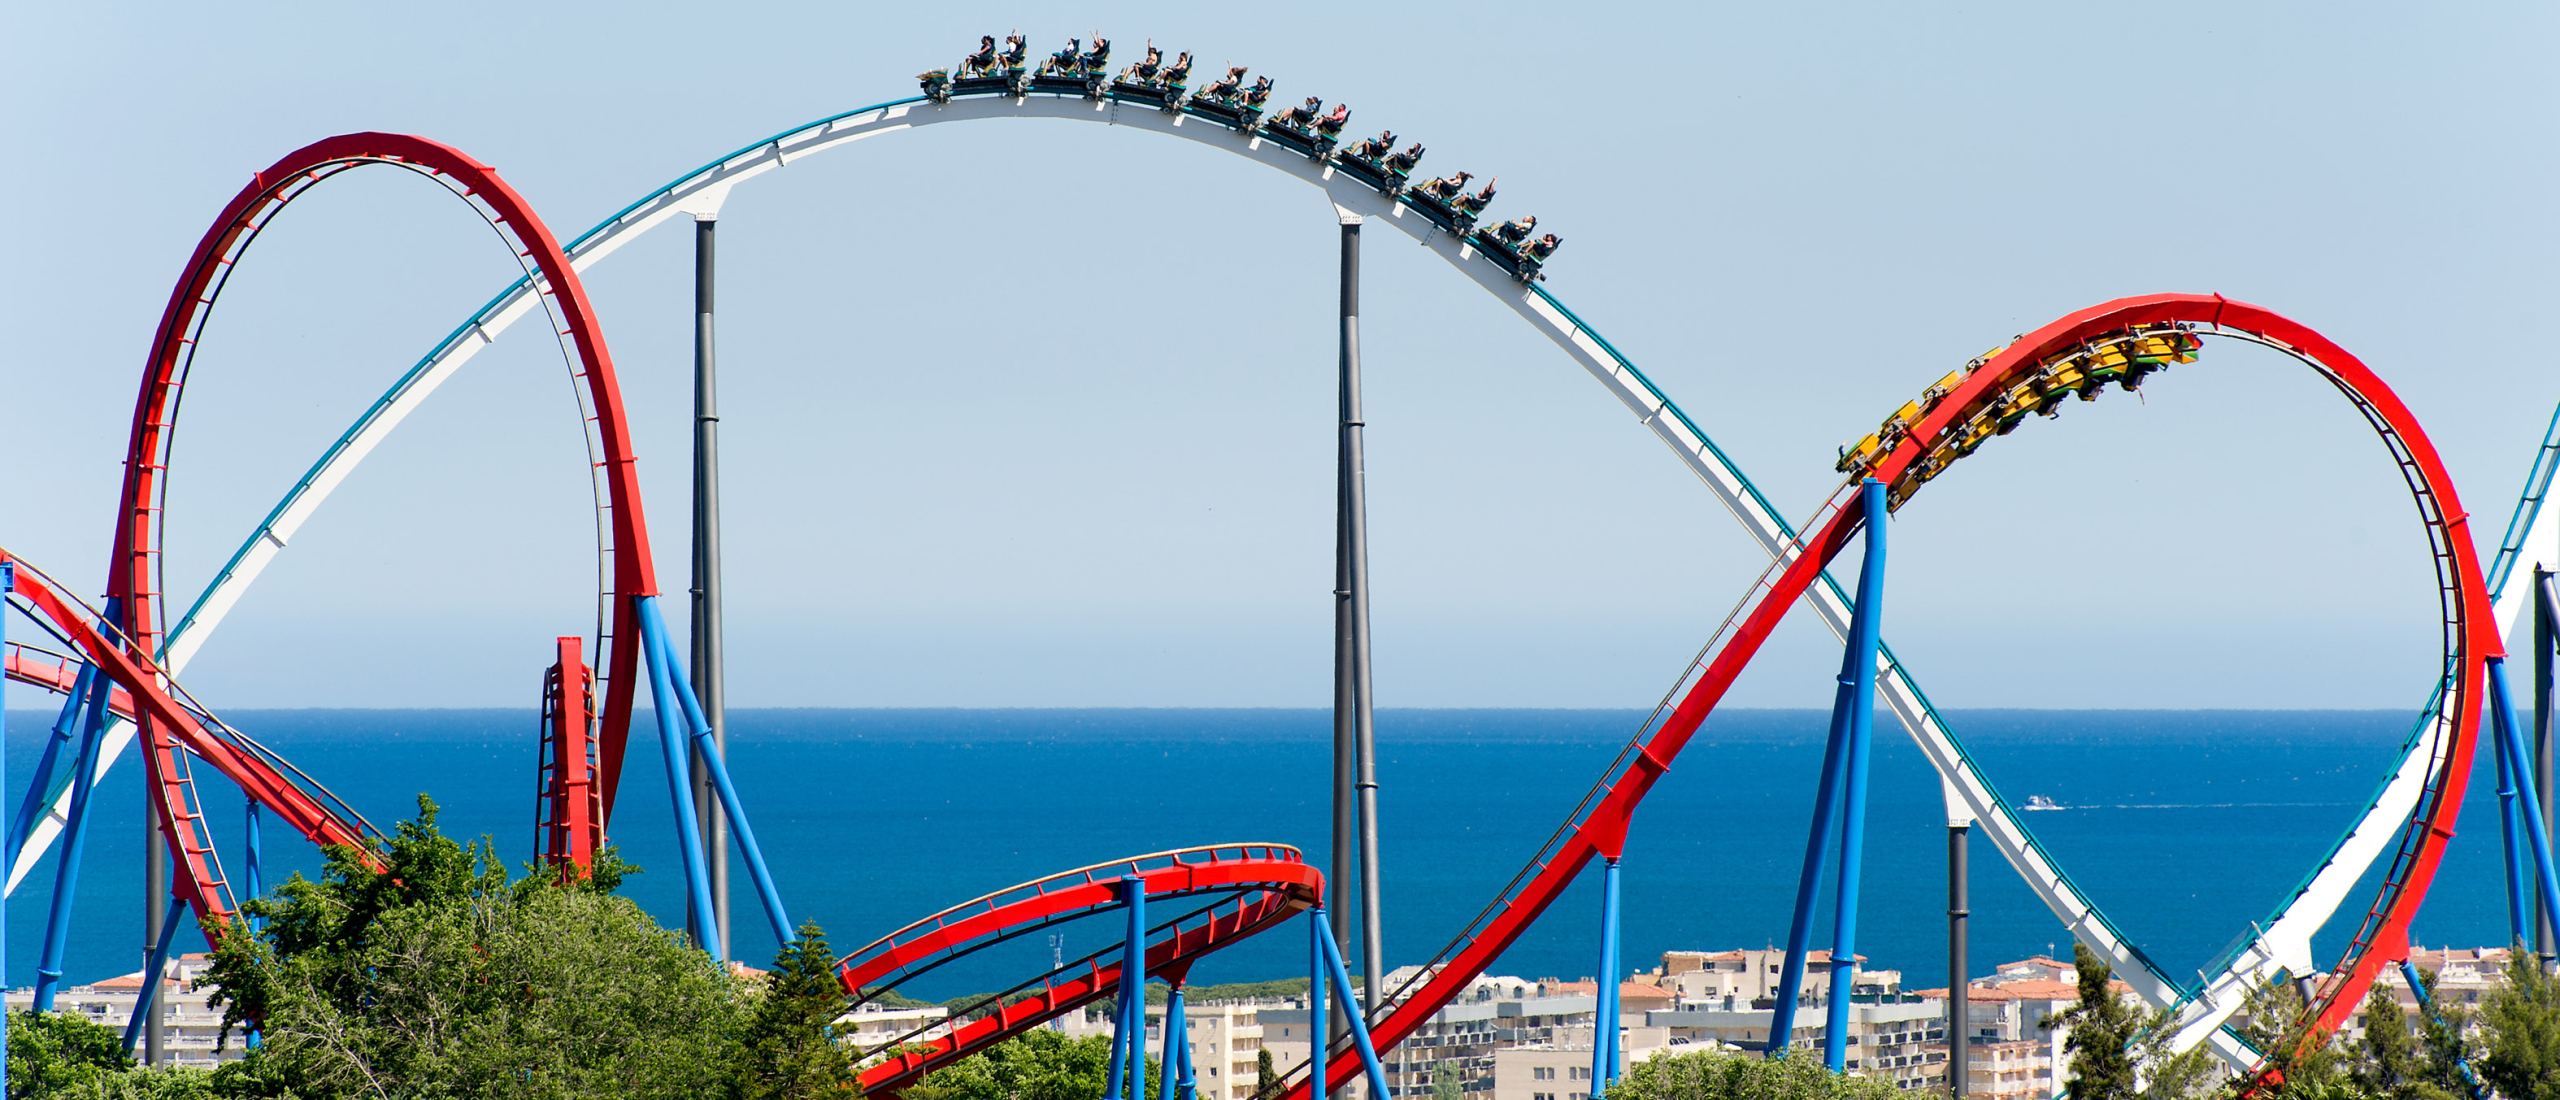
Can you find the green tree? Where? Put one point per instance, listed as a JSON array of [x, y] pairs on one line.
[[1036, 1065], [53, 1052], [1446, 1084], [2394, 1061], [791, 1051], [1266, 1083], [2104, 1029], [438, 976], [1711, 1075], [2278, 1023], [2522, 1018]]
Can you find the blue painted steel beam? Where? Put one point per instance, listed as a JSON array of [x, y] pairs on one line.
[[1817, 845], [148, 1001], [1329, 959], [1604, 1021], [2504, 711], [1176, 1079], [1319, 1043], [1129, 1033], [671, 739], [39, 792], [66, 878], [1865, 630], [736, 811], [2510, 822]]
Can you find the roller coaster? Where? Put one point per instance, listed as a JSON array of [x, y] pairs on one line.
[[116, 664]]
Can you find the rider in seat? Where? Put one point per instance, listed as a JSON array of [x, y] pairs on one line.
[[1331, 125], [1015, 49], [1147, 67], [1403, 162], [1375, 148], [1544, 247], [1063, 62], [1445, 189], [1474, 204], [1099, 56], [1303, 115], [1225, 87], [1178, 72], [978, 63], [1259, 94], [1516, 231]]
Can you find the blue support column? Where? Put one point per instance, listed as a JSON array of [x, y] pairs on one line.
[[672, 739], [1864, 629], [1320, 1048], [2504, 712], [1129, 1037], [1604, 1019], [39, 789], [713, 762], [2519, 895], [148, 1001], [255, 880], [75, 839], [1176, 1079], [1817, 844], [1330, 959]]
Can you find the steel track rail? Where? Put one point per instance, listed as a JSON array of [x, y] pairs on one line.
[[702, 191]]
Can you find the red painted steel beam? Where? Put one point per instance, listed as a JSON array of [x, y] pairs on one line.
[[132, 572], [2400, 896], [59, 679], [196, 880]]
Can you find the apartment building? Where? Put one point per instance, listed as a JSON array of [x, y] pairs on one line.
[[872, 1028], [1741, 977], [192, 1032], [1888, 1037]]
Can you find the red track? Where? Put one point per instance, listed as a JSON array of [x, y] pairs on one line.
[[2384, 938], [133, 573], [198, 875], [1253, 887]]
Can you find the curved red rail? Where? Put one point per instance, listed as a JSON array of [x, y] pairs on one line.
[[133, 575], [2473, 637], [198, 875], [1261, 884]]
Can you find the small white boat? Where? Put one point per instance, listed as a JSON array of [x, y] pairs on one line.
[[2040, 802]]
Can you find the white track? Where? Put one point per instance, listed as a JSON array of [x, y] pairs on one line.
[[2283, 945]]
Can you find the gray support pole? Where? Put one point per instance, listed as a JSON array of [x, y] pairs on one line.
[[155, 894], [1959, 985], [705, 623], [1346, 642], [2544, 941], [1364, 725]]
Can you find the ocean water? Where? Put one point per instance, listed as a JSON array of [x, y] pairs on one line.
[[2184, 825]]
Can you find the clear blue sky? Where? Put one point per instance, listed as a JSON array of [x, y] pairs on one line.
[[1029, 414]]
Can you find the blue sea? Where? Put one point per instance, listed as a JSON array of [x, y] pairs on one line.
[[2185, 825]]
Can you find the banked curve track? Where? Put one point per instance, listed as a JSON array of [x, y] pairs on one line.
[[2282, 944]]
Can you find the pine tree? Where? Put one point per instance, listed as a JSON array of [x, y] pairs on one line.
[[791, 1052], [2103, 1030], [2523, 1018]]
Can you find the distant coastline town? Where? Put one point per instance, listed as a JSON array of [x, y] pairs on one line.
[[1509, 1038]]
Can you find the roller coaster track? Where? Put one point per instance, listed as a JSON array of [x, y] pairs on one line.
[[2281, 944], [133, 585], [1246, 888], [191, 731]]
